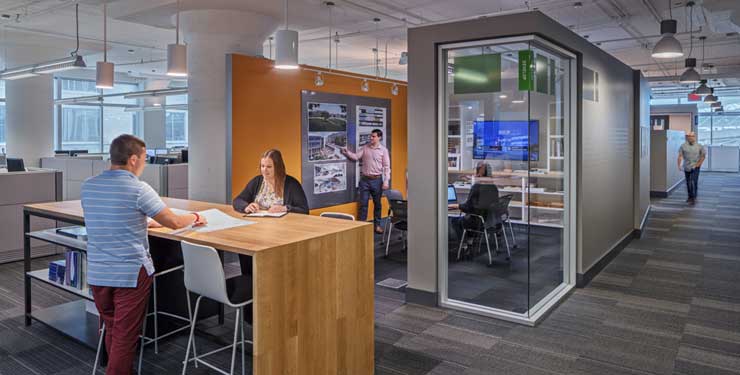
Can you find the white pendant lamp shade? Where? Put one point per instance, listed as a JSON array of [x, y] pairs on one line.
[[703, 89], [286, 52], [716, 105], [104, 71], [668, 47], [177, 63], [104, 75], [690, 75]]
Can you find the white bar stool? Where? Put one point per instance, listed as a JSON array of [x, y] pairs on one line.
[[204, 276]]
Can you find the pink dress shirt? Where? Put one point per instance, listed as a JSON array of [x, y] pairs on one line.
[[375, 161]]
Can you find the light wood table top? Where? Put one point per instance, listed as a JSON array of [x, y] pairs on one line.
[[267, 233]]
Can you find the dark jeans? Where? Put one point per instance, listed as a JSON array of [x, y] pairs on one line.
[[692, 182], [370, 188]]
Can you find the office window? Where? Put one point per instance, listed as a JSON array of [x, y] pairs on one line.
[[81, 128], [117, 121], [176, 122], [93, 126]]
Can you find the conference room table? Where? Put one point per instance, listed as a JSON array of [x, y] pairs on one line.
[[312, 282]]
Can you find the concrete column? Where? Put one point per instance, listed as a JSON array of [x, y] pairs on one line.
[[155, 129], [211, 35], [29, 109]]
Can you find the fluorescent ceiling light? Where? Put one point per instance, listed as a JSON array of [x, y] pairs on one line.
[[668, 47], [157, 92], [67, 63], [17, 74]]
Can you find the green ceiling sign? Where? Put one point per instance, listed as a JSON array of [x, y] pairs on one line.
[[526, 76], [477, 74]]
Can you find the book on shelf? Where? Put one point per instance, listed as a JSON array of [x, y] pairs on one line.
[[79, 233], [72, 271]]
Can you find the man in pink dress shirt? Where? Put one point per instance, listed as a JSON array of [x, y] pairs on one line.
[[375, 174]]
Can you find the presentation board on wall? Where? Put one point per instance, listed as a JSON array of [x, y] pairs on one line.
[[330, 122]]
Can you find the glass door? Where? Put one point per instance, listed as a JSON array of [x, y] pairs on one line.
[[506, 115]]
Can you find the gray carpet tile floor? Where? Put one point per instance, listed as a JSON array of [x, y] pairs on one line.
[[668, 304]]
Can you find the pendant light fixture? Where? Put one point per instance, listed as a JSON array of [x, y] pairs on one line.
[[703, 89], [715, 105], [177, 63], [709, 99], [668, 47], [104, 71], [286, 51], [690, 75]]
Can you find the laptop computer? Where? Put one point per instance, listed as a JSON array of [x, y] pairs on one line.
[[451, 194]]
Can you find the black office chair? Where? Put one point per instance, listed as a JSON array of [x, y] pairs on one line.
[[398, 217], [487, 219]]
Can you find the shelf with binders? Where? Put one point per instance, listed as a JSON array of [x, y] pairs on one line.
[[77, 319]]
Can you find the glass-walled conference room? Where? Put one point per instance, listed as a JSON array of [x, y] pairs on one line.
[[507, 244]]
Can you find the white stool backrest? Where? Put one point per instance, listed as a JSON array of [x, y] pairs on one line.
[[393, 194], [337, 215], [204, 272]]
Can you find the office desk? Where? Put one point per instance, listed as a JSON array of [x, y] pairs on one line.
[[312, 285]]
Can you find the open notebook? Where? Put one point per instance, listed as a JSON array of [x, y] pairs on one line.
[[266, 214]]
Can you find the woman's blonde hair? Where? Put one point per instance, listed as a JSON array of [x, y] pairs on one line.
[[279, 167]]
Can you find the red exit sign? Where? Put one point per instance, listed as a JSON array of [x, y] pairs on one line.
[[694, 98]]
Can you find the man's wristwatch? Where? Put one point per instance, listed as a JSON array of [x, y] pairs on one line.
[[197, 217]]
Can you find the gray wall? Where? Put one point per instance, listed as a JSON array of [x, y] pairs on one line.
[[664, 172], [605, 213], [642, 149]]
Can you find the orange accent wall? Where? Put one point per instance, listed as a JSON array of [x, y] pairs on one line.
[[266, 113]]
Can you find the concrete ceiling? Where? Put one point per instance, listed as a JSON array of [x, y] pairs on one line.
[[139, 30]]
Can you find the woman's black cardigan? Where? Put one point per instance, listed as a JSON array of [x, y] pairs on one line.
[[294, 198]]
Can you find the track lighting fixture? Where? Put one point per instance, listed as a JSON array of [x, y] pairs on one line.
[[365, 86], [394, 89], [319, 80]]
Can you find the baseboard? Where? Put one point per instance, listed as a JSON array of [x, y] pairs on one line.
[[583, 279], [421, 297], [665, 194], [637, 233]]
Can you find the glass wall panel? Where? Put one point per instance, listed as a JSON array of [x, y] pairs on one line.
[[3, 145], [506, 120], [176, 123]]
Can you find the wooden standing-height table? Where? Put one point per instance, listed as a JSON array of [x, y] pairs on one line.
[[312, 285]]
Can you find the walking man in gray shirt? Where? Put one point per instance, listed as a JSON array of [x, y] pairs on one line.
[[691, 155]]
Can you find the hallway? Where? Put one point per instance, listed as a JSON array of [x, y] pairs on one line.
[[668, 304]]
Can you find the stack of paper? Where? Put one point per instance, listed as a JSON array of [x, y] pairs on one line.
[[217, 220]]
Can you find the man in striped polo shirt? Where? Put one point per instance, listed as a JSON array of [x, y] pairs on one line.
[[116, 206]]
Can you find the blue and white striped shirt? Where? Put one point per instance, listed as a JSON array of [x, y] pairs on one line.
[[115, 205]]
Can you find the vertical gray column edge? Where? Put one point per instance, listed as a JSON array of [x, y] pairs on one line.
[[229, 135]]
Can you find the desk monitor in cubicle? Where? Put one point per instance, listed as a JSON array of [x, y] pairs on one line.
[[184, 155], [15, 165], [451, 194], [160, 151]]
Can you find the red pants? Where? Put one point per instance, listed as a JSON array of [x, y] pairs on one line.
[[122, 310]]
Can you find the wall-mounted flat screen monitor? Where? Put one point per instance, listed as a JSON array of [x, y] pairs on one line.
[[506, 140]]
